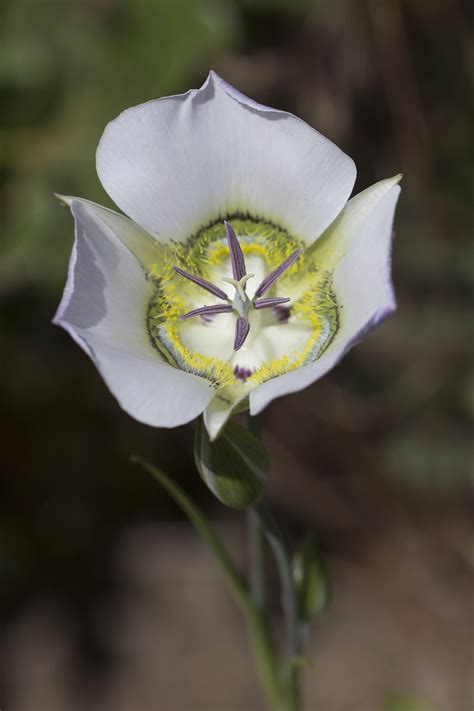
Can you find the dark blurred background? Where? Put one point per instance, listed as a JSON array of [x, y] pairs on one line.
[[108, 600]]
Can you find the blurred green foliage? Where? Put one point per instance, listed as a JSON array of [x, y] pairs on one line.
[[66, 68], [406, 702]]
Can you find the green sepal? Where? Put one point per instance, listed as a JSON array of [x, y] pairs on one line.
[[234, 466], [310, 581]]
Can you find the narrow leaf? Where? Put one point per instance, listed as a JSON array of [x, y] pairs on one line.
[[265, 653], [200, 523]]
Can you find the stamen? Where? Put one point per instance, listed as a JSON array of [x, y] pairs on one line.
[[242, 328], [242, 373], [236, 254], [208, 311], [241, 301], [202, 283], [282, 313], [272, 301], [276, 273]]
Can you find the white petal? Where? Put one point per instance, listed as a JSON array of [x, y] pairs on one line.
[[214, 339], [104, 309], [333, 244], [177, 163], [362, 284], [142, 245], [216, 415], [151, 391], [271, 342]]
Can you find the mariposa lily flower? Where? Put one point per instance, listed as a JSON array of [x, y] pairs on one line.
[[242, 273]]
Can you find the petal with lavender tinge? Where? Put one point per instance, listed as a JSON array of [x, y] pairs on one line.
[[362, 284], [177, 163], [145, 248], [104, 309]]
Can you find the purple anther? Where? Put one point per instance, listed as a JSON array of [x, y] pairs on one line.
[[272, 301], [208, 311], [236, 254], [242, 328], [242, 373], [202, 283], [276, 273], [282, 313]]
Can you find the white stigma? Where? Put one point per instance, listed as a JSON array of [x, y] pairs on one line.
[[241, 302]]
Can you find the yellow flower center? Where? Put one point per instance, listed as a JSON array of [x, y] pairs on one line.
[[281, 339]]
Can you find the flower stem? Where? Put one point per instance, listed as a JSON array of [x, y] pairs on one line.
[[256, 540], [261, 524], [265, 654], [290, 672], [279, 547]]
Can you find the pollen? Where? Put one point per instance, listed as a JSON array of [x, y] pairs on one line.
[[219, 372]]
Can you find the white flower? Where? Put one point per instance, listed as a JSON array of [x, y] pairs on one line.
[[240, 209]]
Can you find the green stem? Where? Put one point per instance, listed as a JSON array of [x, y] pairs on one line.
[[266, 658], [279, 547], [262, 521], [293, 641], [256, 539]]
